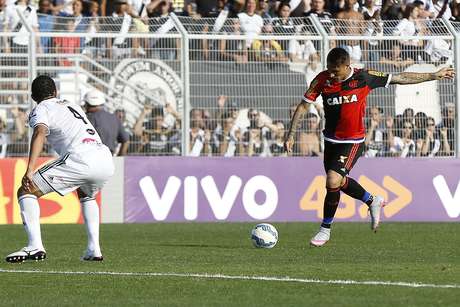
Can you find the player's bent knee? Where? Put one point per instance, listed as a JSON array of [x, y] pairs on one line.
[[333, 180], [22, 191]]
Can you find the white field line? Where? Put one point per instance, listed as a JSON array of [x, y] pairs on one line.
[[243, 277]]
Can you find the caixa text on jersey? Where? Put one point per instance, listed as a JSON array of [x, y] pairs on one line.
[[342, 99]]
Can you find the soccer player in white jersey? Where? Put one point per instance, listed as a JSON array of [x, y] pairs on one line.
[[84, 164]]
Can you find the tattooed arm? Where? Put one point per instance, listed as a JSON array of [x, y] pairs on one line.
[[413, 78], [301, 109]]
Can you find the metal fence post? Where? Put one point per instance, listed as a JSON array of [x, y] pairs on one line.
[[325, 42], [32, 57], [456, 48], [185, 72]]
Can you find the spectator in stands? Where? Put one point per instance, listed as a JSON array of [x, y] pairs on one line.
[[198, 143], [197, 118], [63, 7], [121, 21], [163, 48], [226, 114], [153, 136], [19, 141], [408, 115], [102, 7], [394, 60], [133, 142], [233, 50], [335, 6], [264, 10], [94, 46], [254, 137], [420, 119], [310, 140], [318, 10], [66, 44], [254, 143], [283, 25], [4, 138], [409, 26], [107, 125], [442, 9], [298, 7], [138, 8], [376, 136], [420, 126], [392, 9], [370, 10], [277, 141], [206, 8], [447, 125], [433, 145], [455, 10], [325, 17], [251, 23], [4, 17], [79, 24], [351, 24], [426, 8], [374, 27], [304, 52], [46, 22], [401, 142], [268, 50], [159, 8]]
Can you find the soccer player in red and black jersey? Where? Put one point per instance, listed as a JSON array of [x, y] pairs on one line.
[[344, 91]]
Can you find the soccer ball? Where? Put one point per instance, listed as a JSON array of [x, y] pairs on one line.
[[264, 236]]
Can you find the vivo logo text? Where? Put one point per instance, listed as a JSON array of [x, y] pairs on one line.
[[220, 202]]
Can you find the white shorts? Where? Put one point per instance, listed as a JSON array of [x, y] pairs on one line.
[[88, 168]]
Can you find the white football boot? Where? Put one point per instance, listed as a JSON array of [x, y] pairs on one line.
[[374, 210], [321, 238], [92, 256], [26, 253]]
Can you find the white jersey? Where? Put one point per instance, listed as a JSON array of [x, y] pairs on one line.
[[68, 126]]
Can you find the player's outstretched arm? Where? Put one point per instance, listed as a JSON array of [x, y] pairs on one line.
[[414, 78], [298, 114]]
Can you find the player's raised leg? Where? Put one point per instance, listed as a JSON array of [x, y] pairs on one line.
[[375, 203], [331, 202], [30, 214], [90, 211]]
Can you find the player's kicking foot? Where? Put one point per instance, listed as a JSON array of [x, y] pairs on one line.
[[92, 256], [25, 254], [375, 209], [321, 238]]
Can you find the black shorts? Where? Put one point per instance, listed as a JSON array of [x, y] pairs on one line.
[[341, 157]]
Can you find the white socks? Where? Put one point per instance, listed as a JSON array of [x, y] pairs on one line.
[[30, 213], [91, 216]]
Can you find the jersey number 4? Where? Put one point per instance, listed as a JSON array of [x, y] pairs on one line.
[[78, 116]]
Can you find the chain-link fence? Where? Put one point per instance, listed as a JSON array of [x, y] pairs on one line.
[[228, 86]]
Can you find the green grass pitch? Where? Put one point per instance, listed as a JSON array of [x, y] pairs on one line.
[[427, 253]]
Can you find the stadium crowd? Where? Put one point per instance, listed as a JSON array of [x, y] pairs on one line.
[[228, 129], [250, 132]]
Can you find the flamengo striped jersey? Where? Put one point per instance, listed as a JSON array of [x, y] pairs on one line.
[[68, 126], [345, 102]]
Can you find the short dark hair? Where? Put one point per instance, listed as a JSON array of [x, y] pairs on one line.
[[338, 56], [43, 87], [409, 9]]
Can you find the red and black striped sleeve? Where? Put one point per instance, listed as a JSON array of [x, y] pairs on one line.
[[314, 90], [375, 79]]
